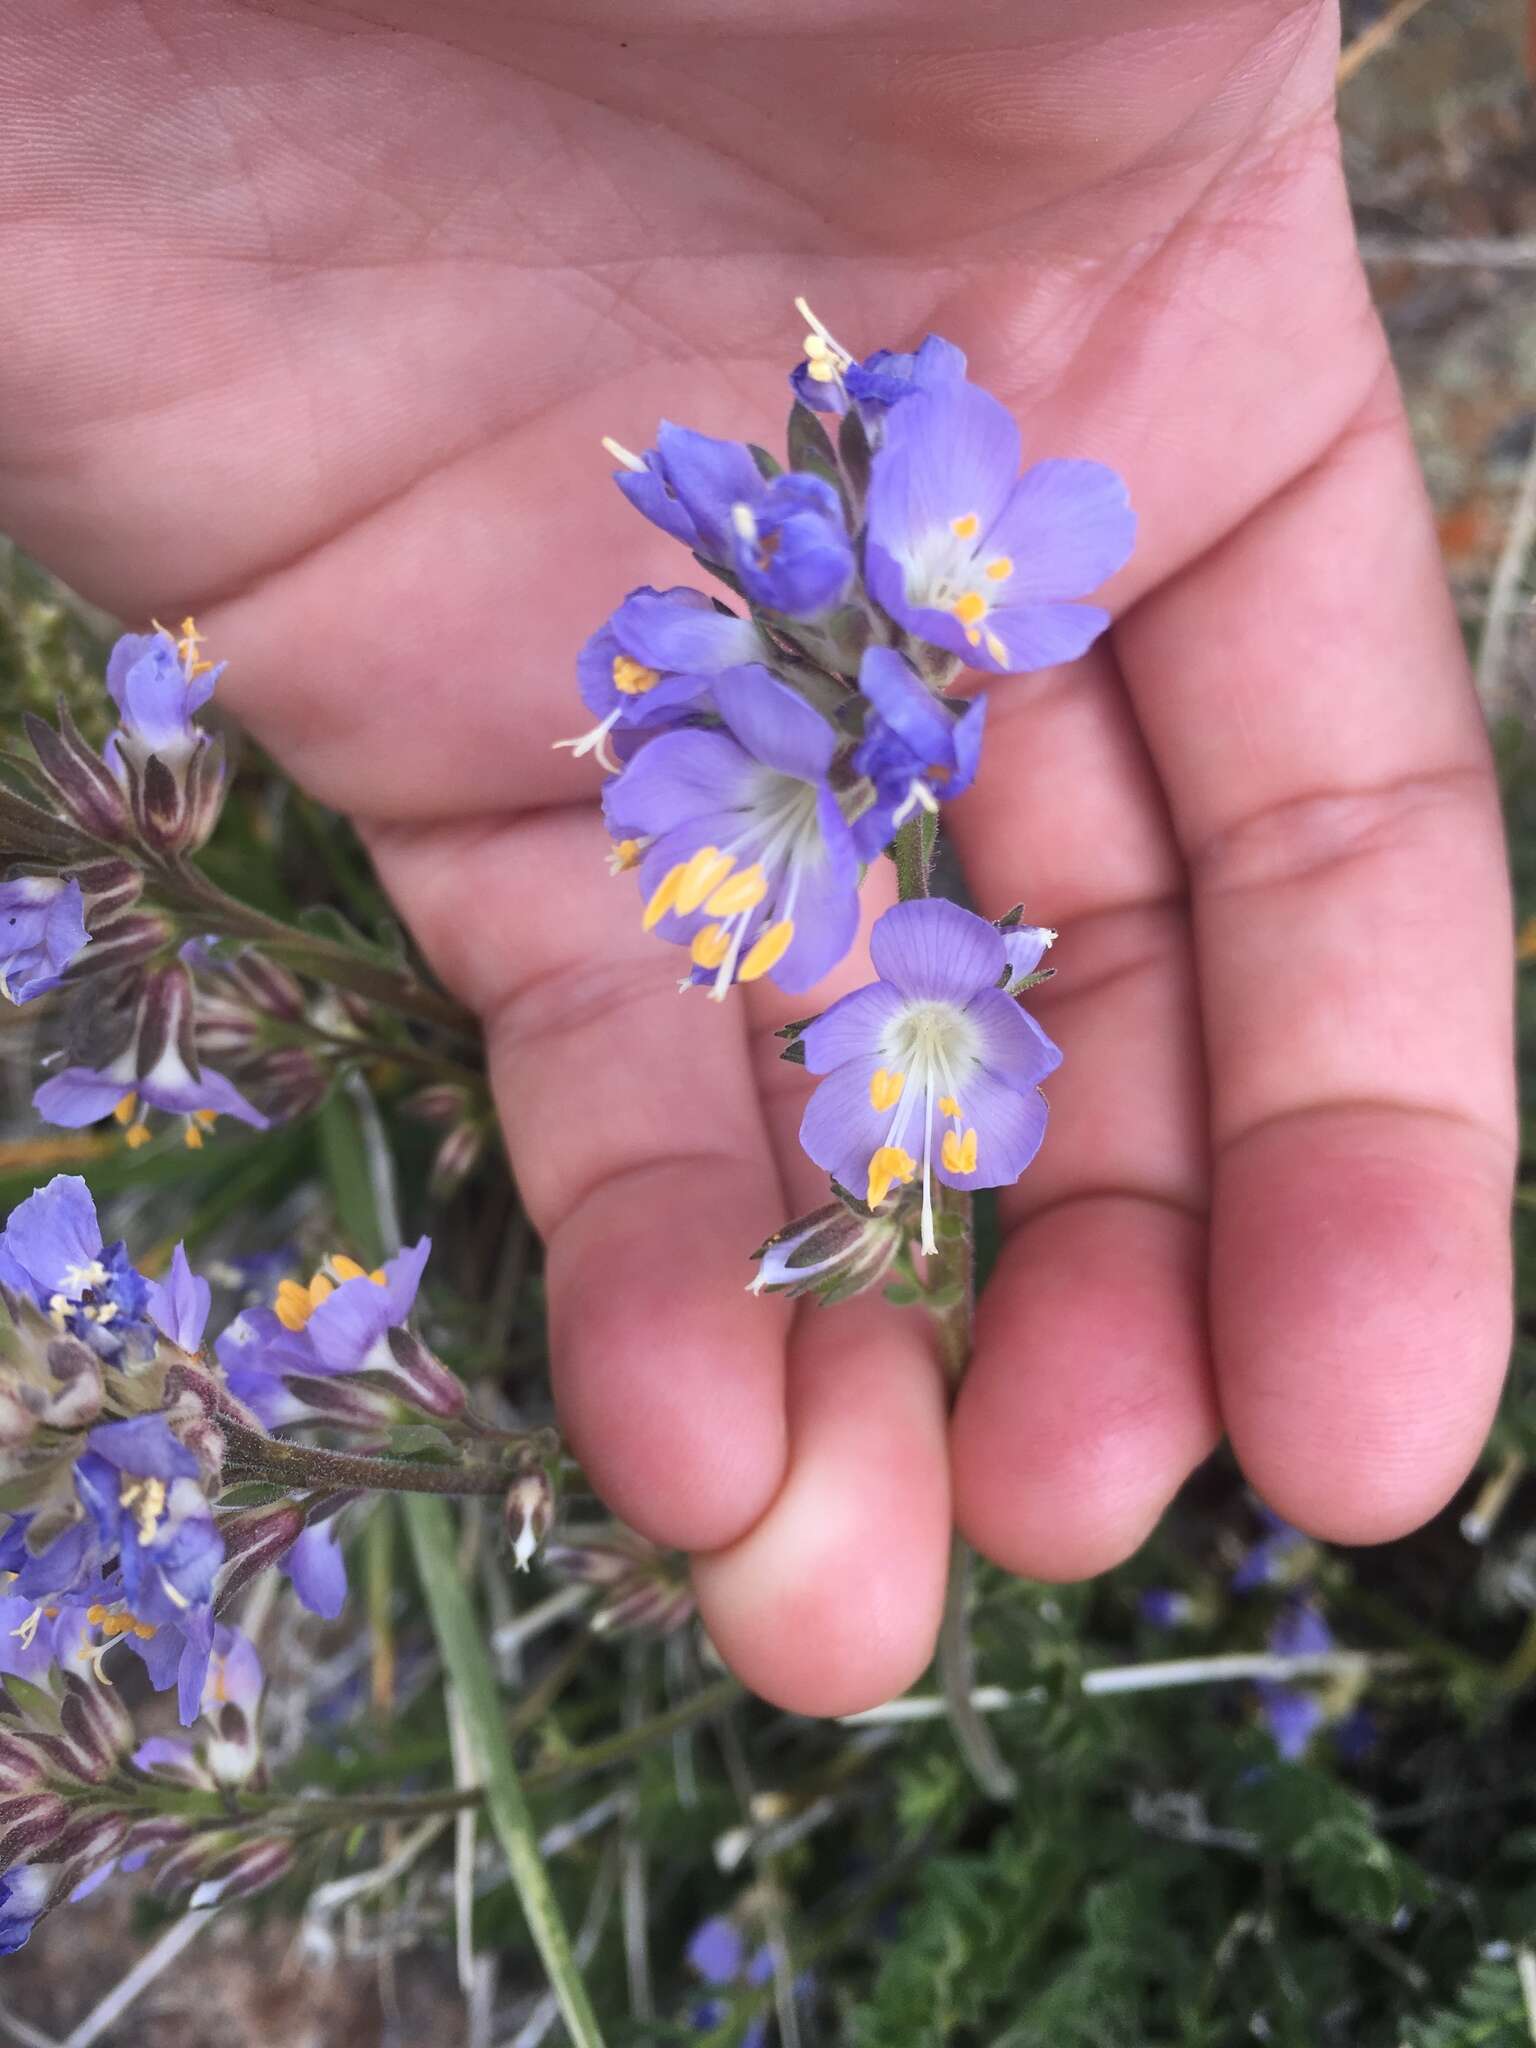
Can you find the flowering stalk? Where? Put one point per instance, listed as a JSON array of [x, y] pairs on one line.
[[250, 1456]]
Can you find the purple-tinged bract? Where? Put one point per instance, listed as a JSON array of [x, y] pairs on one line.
[[969, 555], [932, 1069]]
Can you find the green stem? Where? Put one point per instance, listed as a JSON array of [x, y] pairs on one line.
[[467, 1660], [180, 886], [251, 1456], [912, 858], [956, 1664]]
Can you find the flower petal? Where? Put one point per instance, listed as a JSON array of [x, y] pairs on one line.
[[680, 630], [1013, 1046], [934, 949], [841, 1129], [1067, 527], [951, 452], [179, 1304], [851, 1029], [1035, 635], [53, 1230], [680, 776], [318, 1571], [774, 723], [1008, 1125], [826, 904]]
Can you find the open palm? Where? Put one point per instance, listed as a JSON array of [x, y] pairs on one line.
[[314, 316]]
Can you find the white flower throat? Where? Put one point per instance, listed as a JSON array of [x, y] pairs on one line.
[[927, 1053]]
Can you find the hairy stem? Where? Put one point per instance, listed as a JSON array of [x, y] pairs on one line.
[[251, 1456], [956, 1666]]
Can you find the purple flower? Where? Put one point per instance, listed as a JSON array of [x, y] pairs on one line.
[[318, 1571], [42, 929], [653, 661], [718, 1953], [687, 485], [157, 1069], [1265, 1561], [140, 1484], [747, 858], [931, 1067], [1292, 1717], [157, 684], [791, 547], [968, 554], [1025, 946], [829, 380], [1299, 1630], [1163, 1607], [915, 750], [24, 1893], [51, 1253], [336, 1326]]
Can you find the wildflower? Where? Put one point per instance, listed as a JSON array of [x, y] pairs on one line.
[[1163, 1607], [748, 860], [718, 1952], [24, 1896], [970, 556], [157, 1069], [141, 1485], [171, 770], [930, 1068], [652, 663], [42, 930], [338, 1326], [792, 551], [1294, 1714], [687, 485], [830, 380], [915, 750], [51, 1253], [317, 1570], [226, 1751], [834, 1253], [1281, 1555], [1024, 946]]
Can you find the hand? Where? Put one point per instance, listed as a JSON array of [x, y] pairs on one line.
[[313, 319]]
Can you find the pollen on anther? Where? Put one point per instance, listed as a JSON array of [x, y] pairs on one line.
[[969, 607], [768, 951], [959, 1154], [888, 1165], [663, 897], [885, 1088], [742, 891], [710, 945], [948, 1106], [632, 678], [1000, 568], [124, 1112], [136, 1135], [700, 877], [966, 527]]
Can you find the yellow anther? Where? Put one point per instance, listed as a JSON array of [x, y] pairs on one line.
[[768, 951], [321, 1288], [192, 1137], [814, 345], [948, 1106], [633, 678], [701, 877], [206, 1117], [379, 1277], [96, 1614], [292, 1306], [346, 1269], [144, 1499], [1000, 568], [137, 1135], [885, 1088], [742, 891], [625, 855], [710, 945], [124, 1112], [144, 1630], [969, 607], [888, 1165], [820, 370], [966, 527], [959, 1154], [663, 898]]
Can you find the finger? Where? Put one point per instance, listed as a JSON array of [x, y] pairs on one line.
[[1304, 693], [640, 1153], [832, 1602], [1088, 1399]]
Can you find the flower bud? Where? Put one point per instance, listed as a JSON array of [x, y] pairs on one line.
[[834, 1253], [457, 1157], [224, 1866], [644, 1588], [529, 1513], [425, 1382], [109, 887], [254, 1539], [29, 1824], [96, 1722], [124, 941], [176, 803], [77, 778], [440, 1102]]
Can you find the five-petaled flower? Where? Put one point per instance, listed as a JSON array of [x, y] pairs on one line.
[[748, 860], [969, 555], [42, 931], [158, 683], [51, 1252], [157, 1069], [832, 380], [915, 750], [652, 663], [930, 1069]]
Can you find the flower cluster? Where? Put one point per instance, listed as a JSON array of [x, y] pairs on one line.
[[759, 758]]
